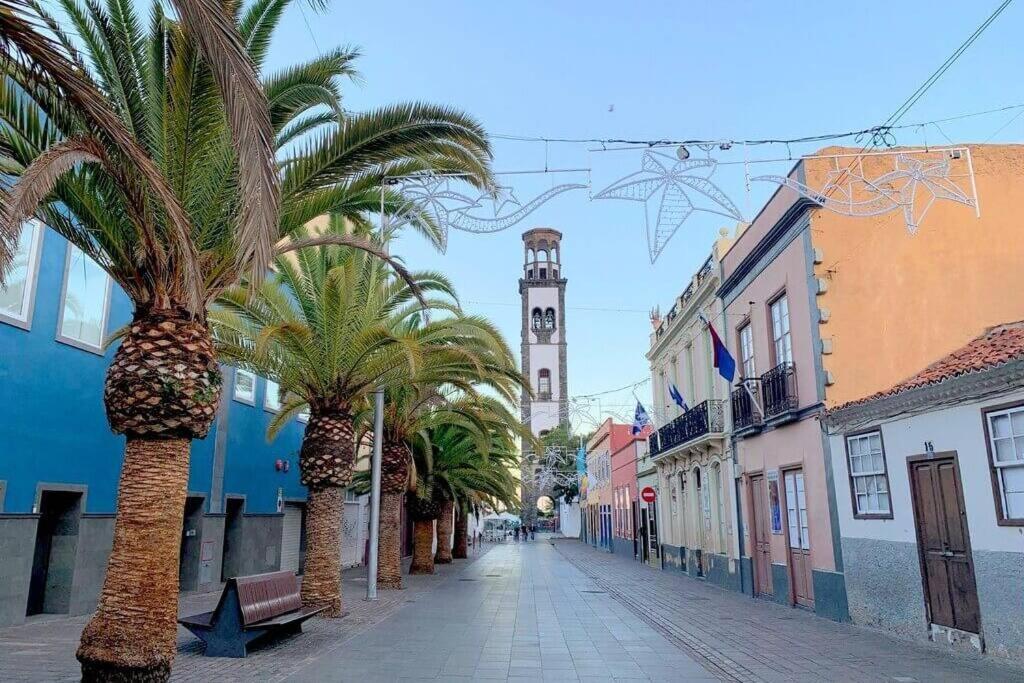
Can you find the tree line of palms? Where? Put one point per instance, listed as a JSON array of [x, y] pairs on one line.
[[158, 147]]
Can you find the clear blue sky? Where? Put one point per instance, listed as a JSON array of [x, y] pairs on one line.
[[671, 70]]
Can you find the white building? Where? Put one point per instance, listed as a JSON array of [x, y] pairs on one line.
[[929, 482]]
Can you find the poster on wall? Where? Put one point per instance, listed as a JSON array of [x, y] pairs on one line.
[[774, 503]]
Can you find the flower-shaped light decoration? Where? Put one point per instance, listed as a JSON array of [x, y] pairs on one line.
[[664, 185], [912, 187], [556, 467]]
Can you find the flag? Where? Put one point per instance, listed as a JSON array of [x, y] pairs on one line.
[[640, 419], [724, 361], [673, 391]]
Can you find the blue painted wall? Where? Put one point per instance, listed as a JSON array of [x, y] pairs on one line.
[[53, 428]]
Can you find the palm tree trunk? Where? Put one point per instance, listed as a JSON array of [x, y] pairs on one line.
[[444, 533], [423, 551], [461, 551], [389, 567], [321, 583], [132, 636]]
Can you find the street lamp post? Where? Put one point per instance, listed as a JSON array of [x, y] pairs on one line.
[[378, 435]]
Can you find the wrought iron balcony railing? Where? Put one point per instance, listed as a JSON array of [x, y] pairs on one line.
[[705, 418], [778, 387], [745, 414]]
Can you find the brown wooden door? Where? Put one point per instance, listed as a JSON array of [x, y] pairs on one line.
[[944, 544], [799, 539], [762, 536]]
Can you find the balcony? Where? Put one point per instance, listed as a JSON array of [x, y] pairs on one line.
[[701, 420], [745, 415], [778, 387]]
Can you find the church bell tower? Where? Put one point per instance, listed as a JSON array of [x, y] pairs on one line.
[[542, 289]]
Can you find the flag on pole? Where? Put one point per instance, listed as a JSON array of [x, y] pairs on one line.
[[640, 419], [724, 361], [673, 391]]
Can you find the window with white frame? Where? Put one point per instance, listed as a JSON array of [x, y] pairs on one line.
[[272, 399], [16, 295], [868, 481], [747, 351], [304, 415], [780, 330], [1006, 444], [83, 317], [245, 386]]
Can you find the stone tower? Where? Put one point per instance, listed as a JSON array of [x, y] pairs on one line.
[[542, 289]]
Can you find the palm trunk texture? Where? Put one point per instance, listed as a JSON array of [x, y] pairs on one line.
[[461, 549], [389, 566], [321, 583], [444, 533], [423, 551], [132, 636]]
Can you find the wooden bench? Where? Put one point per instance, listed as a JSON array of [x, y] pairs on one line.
[[249, 608]]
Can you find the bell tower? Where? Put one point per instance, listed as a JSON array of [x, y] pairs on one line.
[[542, 289]]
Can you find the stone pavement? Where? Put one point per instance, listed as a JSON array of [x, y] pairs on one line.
[[521, 613], [43, 649], [743, 639]]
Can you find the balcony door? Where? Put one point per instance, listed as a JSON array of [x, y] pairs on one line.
[[799, 540]]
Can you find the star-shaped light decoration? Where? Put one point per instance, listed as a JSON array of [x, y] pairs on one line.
[[846, 191], [664, 185]]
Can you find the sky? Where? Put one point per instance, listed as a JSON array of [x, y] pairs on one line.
[[653, 70]]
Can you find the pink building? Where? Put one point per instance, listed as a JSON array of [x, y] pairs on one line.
[[769, 292], [624, 490], [609, 438]]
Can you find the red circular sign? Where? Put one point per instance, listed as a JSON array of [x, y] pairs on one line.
[[648, 494]]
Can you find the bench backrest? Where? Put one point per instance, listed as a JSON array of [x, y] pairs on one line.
[[265, 596]]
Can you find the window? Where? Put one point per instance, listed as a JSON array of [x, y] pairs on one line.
[[549, 319], [304, 415], [796, 511], [747, 351], [544, 383], [245, 386], [536, 317], [16, 297], [542, 255], [83, 316], [351, 496], [272, 400], [869, 483], [780, 331], [1006, 455]]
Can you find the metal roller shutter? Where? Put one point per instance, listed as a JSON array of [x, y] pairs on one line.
[[291, 537]]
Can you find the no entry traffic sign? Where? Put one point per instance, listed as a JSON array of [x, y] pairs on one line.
[[648, 494]]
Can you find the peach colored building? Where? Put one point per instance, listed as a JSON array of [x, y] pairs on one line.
[[597, 512], [823, 308]]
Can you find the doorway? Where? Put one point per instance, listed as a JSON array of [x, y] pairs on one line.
[[799, 540], [292, 537], [944, 543], [232, 538], [762, 538], [191, 544], [53, 562]]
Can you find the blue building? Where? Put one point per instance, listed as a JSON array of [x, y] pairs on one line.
[[59, 461]]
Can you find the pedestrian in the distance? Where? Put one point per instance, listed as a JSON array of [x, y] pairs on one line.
[[533, 532]]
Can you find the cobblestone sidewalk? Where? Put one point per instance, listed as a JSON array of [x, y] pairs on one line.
[[742, 639], [44, 648]]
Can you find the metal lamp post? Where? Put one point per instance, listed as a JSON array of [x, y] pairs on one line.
[[378, 435]]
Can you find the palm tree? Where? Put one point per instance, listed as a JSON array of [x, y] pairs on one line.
[[444, 391], [457, 467], [153, 152], [330, 326]]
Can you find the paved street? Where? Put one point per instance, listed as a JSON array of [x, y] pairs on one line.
[[540, 611]]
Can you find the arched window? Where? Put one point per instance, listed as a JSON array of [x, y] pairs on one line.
[[549, 319], [531, 256], [544, 383], [542, 255], [536, 318], [554, 254]]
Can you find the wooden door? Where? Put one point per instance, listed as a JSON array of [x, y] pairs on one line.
[[799, 541], [944, 544], [762, 536]]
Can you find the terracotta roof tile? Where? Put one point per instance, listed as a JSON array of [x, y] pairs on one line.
[[998, 345]]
